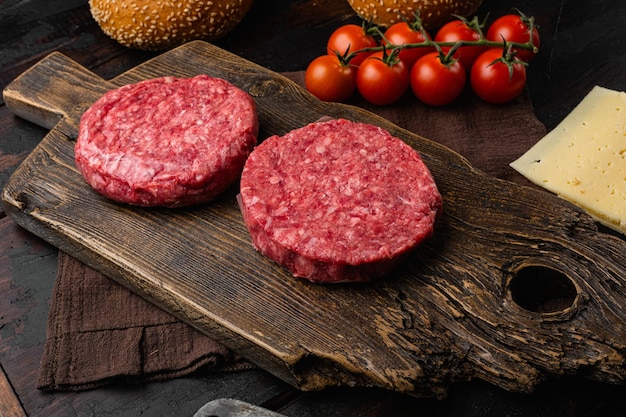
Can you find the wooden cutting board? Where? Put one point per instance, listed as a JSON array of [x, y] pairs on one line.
[[471, 303]]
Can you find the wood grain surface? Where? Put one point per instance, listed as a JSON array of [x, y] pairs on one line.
[[9, 403], [450, 313]]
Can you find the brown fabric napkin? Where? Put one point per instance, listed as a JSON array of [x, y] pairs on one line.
[[99, 332], [92, 341]]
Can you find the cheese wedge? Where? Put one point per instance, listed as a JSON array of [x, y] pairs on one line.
[[583, 159]]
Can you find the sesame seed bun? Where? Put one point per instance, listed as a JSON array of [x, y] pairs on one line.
[[163, 24], [434, 13]]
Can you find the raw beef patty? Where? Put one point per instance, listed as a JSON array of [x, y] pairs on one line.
[[337, 201], [167, 141]]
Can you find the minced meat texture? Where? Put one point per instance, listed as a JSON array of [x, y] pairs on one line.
[[167, 141], [337, 200]]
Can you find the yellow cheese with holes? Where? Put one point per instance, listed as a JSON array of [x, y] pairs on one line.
[[583, 159]]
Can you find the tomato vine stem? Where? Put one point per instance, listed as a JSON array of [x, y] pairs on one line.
[[507, 46], [529, 46]]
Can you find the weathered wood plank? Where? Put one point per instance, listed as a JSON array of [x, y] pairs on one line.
[[10, 406], [451, 313]]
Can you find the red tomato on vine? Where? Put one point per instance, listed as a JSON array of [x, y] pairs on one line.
[[460, 30], [329, 79], [437, 81], [496, 78], [350, 38], [402, 33], [515, 28], [382, 79]]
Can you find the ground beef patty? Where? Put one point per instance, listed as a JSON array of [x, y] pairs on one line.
[[337, 201], [167, 141]]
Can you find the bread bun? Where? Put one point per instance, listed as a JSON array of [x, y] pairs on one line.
[[157, 25], [434, 13]]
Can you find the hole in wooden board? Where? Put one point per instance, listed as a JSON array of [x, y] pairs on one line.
[[542, 290]]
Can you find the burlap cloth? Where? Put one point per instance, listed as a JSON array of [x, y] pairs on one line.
[[99, 332]]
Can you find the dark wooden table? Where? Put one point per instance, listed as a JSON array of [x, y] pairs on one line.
[[582, 46]]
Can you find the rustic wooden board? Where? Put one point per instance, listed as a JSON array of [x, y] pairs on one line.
[[458, 309]]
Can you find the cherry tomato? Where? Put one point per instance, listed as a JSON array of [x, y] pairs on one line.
[[381, 80], [491, 79], [402, 33], [514, 28], [458, 30], [350, 38], [436, 82], [328, 79]]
